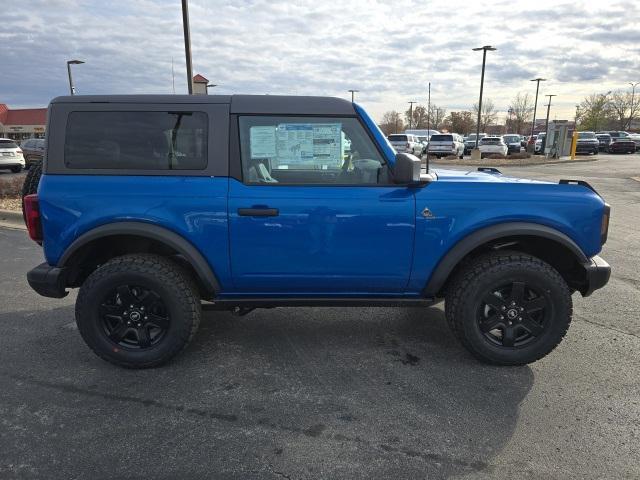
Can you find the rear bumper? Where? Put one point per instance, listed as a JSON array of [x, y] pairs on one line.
[[597, 274], [48, 281]]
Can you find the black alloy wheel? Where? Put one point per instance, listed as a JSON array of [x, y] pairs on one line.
[[134, 317], [513, 315]]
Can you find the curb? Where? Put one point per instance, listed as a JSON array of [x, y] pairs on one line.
[[11, 219]]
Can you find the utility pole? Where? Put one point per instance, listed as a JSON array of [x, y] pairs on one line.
[[484, 61], [411, 113], [535, 105], [353, 92], [633, 92], [546, 128], [428, 125], [187, 44]]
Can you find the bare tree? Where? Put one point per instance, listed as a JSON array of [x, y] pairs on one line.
[[436, 116], [391, 123], [419, 118], [521, 109], [460, 122], [488, 114], [620, 107], [596, 112]]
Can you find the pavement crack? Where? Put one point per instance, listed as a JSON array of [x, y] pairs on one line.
[[608, 327], [68, 388], [276, 472]]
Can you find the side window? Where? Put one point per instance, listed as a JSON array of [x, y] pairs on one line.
[[309, 151], [136, 140]]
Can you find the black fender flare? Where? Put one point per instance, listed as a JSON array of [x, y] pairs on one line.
[[479, 237], [153, 232]]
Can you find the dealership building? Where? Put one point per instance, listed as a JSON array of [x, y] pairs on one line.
[[22, 123]]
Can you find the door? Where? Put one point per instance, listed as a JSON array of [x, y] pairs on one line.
[[314, 212]]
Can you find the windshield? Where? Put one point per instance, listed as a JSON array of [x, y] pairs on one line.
[[490, 140], [8, 144], [397, 138], [441, 138], [586, 135], [512, 138]]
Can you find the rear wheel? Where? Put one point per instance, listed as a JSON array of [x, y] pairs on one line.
[[16, 169], [509, 308], [138, 311]]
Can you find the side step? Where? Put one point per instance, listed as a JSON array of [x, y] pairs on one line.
[[244, 303]]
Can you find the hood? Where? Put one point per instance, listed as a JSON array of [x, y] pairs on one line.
[[445, 175]]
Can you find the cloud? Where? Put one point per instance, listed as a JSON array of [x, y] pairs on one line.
[[389, 51]]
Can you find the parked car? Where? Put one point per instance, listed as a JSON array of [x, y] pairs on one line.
[[445, 144], [33, 150], [539, 145], [249, 217], [604, 139], [11, 157], [492, 145], [470, 142], [587, 143], [405, 143], [513, 142], [636, 138], [622, 145], [617, 133]]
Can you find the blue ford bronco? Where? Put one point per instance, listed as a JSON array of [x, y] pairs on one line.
[[159, 207]]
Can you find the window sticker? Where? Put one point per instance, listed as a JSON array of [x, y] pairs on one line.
[[328, 148], [294, 142], [263, 142], [309, 143]]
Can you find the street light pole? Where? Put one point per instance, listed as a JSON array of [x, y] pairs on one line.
[[633, 91], [484, 61], [535, 105], [353, 94], [428, 125], [546, 128], [187, 44], [411, 113], [72, 89]]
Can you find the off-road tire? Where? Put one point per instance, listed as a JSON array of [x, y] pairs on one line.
[[30, 184], [464, 294], [176, 289]]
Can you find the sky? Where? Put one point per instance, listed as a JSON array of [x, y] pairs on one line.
[[388, 50]]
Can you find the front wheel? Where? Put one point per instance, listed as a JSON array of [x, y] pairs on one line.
[[509, 308], [138, 311]]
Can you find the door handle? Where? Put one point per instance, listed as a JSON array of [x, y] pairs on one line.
[[258, 212]]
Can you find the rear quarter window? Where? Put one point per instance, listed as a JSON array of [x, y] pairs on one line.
[[136, 140]]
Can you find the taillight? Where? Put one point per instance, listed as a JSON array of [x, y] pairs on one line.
[[604, 226], [32, 217]]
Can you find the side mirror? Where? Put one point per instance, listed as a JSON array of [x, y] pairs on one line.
[[407, 169]]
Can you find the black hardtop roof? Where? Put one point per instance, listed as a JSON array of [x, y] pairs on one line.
[[261, 104]]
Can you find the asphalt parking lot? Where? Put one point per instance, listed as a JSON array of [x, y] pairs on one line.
[[331, 393]]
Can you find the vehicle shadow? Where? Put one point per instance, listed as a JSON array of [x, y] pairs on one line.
[[306, 393]]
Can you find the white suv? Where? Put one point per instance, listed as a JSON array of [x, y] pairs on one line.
[[445, 144], [406, 143], [492, 145], [11, 157]]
